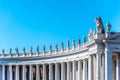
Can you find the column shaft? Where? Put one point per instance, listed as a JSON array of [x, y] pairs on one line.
[[24, 72], [31, 72], [74, 70], [44, 72], [62, 71], [11, 73], [118, 67], [79, 70], [90, 68], [50, 72], [103, 67], [17, 72], [108, 65], [37, 72], [84, 70], [68, 70], [3, 72], [98, 62], [57, 72]]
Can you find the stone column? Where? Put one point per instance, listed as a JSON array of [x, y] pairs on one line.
[[57, 71], [79, 70], [108, 65], [44, 72], [17, 72], [37, 72], [114, 69], [62, 71], [103, 67], [68, 70], [24, 72], [118, 67], [74, 70], [98, 64], [11, 75], [84, 69], [50, 71], [90, 68], [3, 72], [31, 72]]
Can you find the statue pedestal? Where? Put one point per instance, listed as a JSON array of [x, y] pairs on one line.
[[100, 36], [108, 34]]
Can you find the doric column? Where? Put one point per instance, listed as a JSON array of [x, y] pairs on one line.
[[31, 72], [37, 72], [84, 69], [62, 71], [98, 64], [118, 67], [24, 72], [103, 67], [17, 72], [44, 72], [90, 68], [79, 70], [57, 71], [11, 75], [68, 70], [50, 71], [74, 70], [3, 72], [108, 65]]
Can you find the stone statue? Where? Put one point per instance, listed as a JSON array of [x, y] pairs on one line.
[[10, 50], [24, 50], [37, 49], [79, 42], [68, 44], [56, 46], [84, 39], [73, 43], [16, 50], [3, 51], [108, 27], [62, 46], [99, 25], [90, 35], [50, 48], [31, 49], [44, 49]]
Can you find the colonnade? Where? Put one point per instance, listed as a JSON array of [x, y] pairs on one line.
[[94, 67]]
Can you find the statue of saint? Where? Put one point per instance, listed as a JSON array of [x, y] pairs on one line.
[[90, 35], [79, 42], [56, 46], [3, 51], [99, 25], [31, 49], [50, 48], [73, 43], [16, 50], [10, 50], [44, 49], [24, 50], [62, 46], [37, 49], [68, 44], [84, 39], [108, 27]]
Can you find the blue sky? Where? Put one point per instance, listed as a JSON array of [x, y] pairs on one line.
[[25, 23]]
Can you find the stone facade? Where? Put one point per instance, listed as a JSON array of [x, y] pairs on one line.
[[97, 59]]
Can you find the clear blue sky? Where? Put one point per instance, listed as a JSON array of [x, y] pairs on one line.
[[25, 23]]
